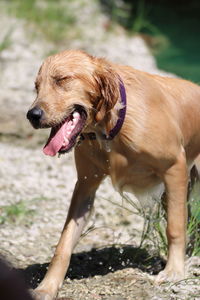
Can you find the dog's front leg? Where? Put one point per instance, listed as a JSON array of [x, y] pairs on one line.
[[176, 181], [80, 208]]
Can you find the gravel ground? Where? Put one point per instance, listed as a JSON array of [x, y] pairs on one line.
[[104, 265]]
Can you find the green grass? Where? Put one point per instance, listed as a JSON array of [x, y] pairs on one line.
[[155, 224], [5, 42], [15, 213], [54, 19], [194, 221], [153, 236], [153, 232]]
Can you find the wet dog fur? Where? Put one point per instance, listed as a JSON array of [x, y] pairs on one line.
[[158, 142]]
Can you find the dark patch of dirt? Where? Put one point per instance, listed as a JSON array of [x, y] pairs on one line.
[[101, 262]]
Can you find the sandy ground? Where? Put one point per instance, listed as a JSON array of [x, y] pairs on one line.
[[107, 263]]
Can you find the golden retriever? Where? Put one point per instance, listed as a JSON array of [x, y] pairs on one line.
[[155, 126]]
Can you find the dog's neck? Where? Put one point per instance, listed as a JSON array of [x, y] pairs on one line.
[[121, 113], [120, 120]]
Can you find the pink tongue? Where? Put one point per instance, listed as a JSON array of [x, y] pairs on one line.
[[55, 140]]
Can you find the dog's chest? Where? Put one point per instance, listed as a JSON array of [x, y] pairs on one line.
[[129, 174]]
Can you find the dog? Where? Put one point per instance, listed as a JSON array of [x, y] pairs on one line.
[[140, 129]]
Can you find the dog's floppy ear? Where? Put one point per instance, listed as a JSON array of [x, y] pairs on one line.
[[108, 89]]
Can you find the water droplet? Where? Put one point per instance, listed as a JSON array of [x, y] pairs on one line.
[[123, 263], [107, 146], [121, 250], [96, 175], [85, 177]]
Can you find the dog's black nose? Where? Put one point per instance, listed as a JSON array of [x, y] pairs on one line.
[[34, 115]]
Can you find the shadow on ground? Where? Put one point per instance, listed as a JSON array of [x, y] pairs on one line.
[[99, 262]]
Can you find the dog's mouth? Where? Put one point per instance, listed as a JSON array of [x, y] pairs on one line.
[[64, 136]]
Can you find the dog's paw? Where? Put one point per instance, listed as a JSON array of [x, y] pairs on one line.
[[41, 295], [169, 276]]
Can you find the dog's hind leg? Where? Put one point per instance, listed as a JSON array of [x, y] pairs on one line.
[[176, 182]]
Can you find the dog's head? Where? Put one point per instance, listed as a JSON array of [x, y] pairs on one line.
[[74, 91]]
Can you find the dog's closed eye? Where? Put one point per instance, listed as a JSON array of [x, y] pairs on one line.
[[59, 80]]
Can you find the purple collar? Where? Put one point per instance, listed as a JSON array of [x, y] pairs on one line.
[[121, 116]]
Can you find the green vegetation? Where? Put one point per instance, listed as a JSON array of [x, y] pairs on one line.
[[53, 18], [194, 221], [5, 43], [155, 224], [179, 23], [153, 235], [15, 213], [171, 28]]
